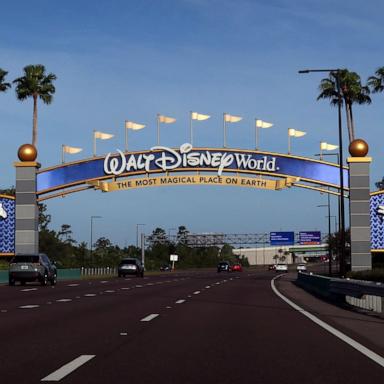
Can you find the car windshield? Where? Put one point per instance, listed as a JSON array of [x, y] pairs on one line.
[[26, 259], [128, 262]]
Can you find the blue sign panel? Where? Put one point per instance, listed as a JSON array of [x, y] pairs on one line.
[[187, 158], [7, 225], [310, 238], [282, 238], [377, 221]]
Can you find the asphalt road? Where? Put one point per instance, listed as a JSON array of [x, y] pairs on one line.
[[173, 328]]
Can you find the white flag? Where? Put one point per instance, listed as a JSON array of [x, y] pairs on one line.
[[133, 126], [296, 133], [72, 150], [327, 147], [263, 124], [231, 118], [166, 119], [102, 135], [199, 116]]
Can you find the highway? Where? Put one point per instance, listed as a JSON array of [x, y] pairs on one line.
[[192, 327]]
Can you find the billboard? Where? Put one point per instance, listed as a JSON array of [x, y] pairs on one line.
[[310, 238], [7, 225], [282, 238]]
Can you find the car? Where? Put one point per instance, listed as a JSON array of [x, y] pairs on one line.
[[281, 268], [237, 268], [32, 267], [166, 268], [130, 266], [224, 266], [271, 267], [301, 267]]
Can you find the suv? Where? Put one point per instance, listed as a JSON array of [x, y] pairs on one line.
[[224, 266], [130, 267], [34, 267]]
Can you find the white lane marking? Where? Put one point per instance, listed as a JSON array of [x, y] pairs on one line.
[[150, 284], [208, 286], [73, 285], [4, 311], [110, 291], [123, 333], [189, 296], [66, 369], [180, 301], [64, 300], [103, 282], [28, 289], [125, 288], [29, 306], [49, 302], [139, 286], [168, 307], [127, 279], [196, 292], [150, 317], [90, 294], [340, 335]]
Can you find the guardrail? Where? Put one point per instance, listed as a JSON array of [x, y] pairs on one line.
[[363, 294]]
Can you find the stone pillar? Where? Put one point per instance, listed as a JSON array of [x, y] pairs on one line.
[[27, 214], [359, 210]]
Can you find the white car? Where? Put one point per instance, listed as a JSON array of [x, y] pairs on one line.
[[281, 268], [301, 267]]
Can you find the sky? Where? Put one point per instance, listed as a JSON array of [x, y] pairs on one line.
[[121, 60]]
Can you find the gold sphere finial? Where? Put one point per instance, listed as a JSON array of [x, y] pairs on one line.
[[27, 152], [358, 148]]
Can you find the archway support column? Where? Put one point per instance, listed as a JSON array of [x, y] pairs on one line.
[[359, 210], [27, 213]]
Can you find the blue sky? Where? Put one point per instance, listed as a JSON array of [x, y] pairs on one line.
[[118, 60]]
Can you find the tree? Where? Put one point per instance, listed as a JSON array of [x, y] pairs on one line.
[[352, 92], [3, 85], [380, 184], [66, 233], [36, 84], [182, 234], [376, 83]]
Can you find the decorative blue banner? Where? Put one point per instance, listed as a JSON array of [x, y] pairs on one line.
[[377, 221], [310, 238], [7, 225], [282, 238], [187, 158]]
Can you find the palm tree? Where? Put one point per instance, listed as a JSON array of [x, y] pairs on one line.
[[352, 92], [376, 83], [36, 84], [3, 85]]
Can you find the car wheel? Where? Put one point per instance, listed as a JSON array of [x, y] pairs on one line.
[[44, 279], [11, 281], [54, 279]]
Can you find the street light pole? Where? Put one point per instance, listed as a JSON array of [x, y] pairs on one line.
[[329, 235], [92, 217], [336, 74]]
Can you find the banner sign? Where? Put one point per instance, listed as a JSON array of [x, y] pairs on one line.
[[310, 238], [186, 158], [282, 238], [7, 225], [250, 182], [377, 221]]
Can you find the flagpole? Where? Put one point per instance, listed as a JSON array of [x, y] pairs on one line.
[[190, 127], [62, 153], [126, 136], [94, 143], [225, 131], [257, 135], [289, 143], [158, 130]]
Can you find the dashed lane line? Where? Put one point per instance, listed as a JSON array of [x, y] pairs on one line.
[[30, 306], [180, 301], [63, 300], [73, 285], [90, 294], [348, 340], [28, 289], [66, 369], [150, 317], [196, 292]]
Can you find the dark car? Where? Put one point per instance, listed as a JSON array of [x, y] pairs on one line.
[[224, 266], [166, 268], [130, 266], [35, 267]]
